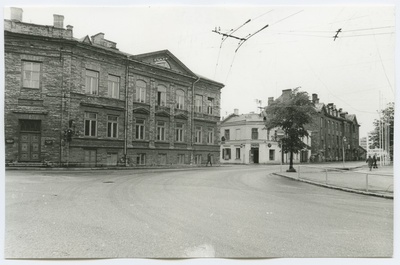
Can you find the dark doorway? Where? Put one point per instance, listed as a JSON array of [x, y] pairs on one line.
[[254, 155]]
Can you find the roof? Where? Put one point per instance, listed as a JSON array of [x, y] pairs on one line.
[[251, 117]]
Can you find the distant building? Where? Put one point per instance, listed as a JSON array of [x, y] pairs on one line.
[[333, 132], [82, 102], [244, 140]]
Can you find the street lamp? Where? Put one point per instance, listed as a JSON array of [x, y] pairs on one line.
[[344, 141]]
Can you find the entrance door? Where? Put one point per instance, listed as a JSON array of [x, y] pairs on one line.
[[112, 159], [90, 158], [29, 147], [254, 155], [29, 141]]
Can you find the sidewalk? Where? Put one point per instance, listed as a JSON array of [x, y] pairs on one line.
[[354, 177]]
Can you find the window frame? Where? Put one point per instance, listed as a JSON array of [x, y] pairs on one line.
[[161, 96], [210, 136], [179, 132], [113, 86], [210, 105], [140, 129], [91, 121], [198, 134], [198, 103], [114, 126], [141, 159], [32, 73], [254, 133], [160, 129], [180, 99], [93, 87], [141, 90]]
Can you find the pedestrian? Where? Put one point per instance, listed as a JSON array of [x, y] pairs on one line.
[[374, 159], [370, 162], [209, 159]]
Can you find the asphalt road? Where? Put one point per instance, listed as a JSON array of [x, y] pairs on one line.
[[235, 212]]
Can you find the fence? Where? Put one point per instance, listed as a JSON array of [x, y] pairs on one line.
[[363, 180]]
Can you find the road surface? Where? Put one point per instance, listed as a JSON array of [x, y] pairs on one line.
[[227, 211]]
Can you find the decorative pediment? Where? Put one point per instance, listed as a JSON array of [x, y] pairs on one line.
[[141, 110], [181, 116], [162, 113], [164, 59]]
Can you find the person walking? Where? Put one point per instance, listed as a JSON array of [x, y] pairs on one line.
[[374, 159], [209, 159], [370, 162]]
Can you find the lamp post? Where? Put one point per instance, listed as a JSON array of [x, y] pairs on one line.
[[344, 142]]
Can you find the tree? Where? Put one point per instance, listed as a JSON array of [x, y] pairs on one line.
[[290, 112], [382, 135]]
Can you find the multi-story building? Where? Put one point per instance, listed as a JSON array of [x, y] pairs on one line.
[[82, 101], [333, 132], [245, 140]]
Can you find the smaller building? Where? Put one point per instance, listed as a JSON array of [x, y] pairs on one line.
[[245, 140]]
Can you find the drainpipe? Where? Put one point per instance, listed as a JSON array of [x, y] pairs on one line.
[[62, 107], [126, 113], [193, 109]]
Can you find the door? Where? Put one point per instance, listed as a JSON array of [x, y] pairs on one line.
[[112, 159], [90, 158], [30, 147], [254, 155], [29, 140]]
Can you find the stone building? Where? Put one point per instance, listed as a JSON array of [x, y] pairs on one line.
[[333, 132], [82, 102], [244, 140]]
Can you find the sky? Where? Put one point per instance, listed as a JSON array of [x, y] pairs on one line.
[[297, 49]]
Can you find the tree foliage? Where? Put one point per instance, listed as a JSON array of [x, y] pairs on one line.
[[386, 122], [291, 112]]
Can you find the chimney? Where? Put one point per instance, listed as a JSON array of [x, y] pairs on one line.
[[236, 111], [98, 38], [58, 21], [270, 100], [287, 91], [16, 14], [315, 98]]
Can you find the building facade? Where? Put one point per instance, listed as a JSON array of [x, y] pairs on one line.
[[244, 140], [334, 133], [82, 102]]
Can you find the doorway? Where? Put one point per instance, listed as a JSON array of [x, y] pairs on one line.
[[29, 140], [254, 155]]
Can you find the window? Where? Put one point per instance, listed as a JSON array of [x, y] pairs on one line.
[[161, 131], [237, 137], [210, 136], [179, 132], [181, 159], [141, 159], [180, 99], [90, 124], [271, 154], [198, 103], [31, 74], [210, 104], [197, 159], [112, 126], [112, 159], [162, 96], [113, 86], [198, 135], [226, 153], [227, 135], [139, 129], [237, 153], [92, 82], [254, 133], [140, 91]]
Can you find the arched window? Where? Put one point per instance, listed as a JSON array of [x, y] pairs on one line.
[[161, 95], [180, 99], [140, 91]]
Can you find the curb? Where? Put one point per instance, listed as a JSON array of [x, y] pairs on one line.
[[337, 187]]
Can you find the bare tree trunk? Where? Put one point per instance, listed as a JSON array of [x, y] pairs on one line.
[[291, 168]]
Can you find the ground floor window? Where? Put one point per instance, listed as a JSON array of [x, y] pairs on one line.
[[237, 153], [226, 153], [181, 159], [141, 159], [197, 159], [271, 154]]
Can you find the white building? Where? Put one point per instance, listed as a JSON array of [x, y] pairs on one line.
[[245, 141]]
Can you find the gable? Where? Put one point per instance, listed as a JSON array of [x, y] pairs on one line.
[[87, 40], [164, 59], [162, 113]]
